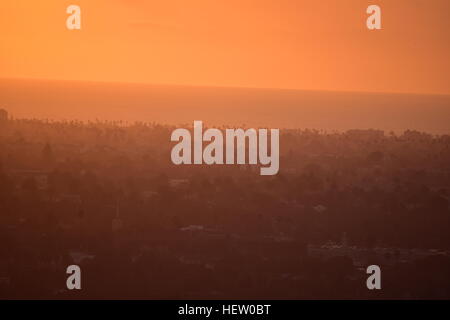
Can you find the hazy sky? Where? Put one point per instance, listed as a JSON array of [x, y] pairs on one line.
[[297, 44]]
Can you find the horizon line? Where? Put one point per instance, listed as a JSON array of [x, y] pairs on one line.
[[222, 86]]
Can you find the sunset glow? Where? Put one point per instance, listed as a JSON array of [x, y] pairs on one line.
[[320, 45]]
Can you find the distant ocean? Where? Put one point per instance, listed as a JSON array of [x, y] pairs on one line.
[[217, 106]]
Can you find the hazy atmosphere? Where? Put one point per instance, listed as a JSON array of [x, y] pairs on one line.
[[64, 100]]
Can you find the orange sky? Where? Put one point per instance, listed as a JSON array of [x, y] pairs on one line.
[[309, 44]]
